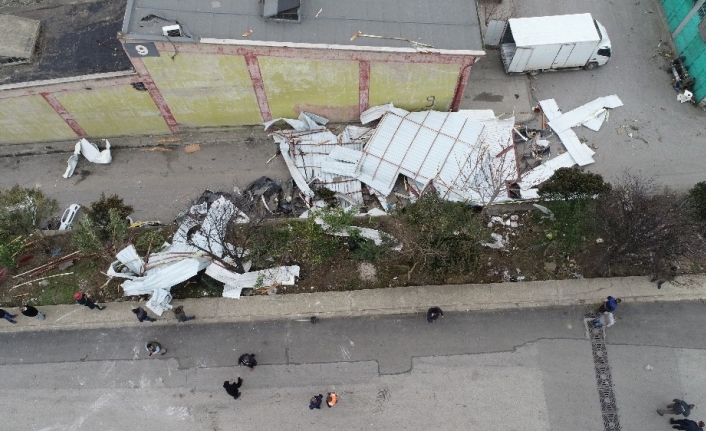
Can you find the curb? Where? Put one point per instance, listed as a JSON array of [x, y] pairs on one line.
[[378, 302]]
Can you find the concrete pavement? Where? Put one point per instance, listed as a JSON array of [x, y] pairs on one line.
[[401, 300]]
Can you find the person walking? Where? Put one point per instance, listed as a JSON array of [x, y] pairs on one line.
[[232, 387], [142, 315], [154, 348], [686, 424], [7, 316], [315, 402], [677, 407], [434, 313], [609, 305], [331, 399], [85, 300], [247, 360], [180, 315], [30, 311], [605, 320]]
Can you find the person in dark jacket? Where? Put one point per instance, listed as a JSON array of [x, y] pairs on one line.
[[232, 387], [247, 360], [678, 407], [180, 315], [609, 305], [686, 424], [434, 313], [85, 300], [30, 311], [154, 348], [315, 402], [142, 315], [7, 316]]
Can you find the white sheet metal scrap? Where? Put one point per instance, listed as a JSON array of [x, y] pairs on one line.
[[306, 155], [458, 154], [591, 115]]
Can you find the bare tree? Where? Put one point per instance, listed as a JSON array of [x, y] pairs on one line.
[[645, 225], [487, 174]]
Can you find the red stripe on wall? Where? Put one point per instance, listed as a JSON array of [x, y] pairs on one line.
[[461, 86], [155, 94], [258, 85], [363, 86], [63, 113]]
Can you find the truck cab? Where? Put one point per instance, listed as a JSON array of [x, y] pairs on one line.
[[604, 49]]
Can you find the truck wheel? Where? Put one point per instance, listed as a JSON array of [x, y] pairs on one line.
[[590, 66], [533, 72]]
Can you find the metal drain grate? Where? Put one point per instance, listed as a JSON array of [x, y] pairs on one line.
[[604, 380]]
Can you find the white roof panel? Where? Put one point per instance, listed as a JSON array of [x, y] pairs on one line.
[[550, 30]]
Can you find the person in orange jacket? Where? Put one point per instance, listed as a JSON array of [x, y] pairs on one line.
[[331, 399]]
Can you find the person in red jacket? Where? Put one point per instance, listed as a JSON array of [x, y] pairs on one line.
[[85, 300]]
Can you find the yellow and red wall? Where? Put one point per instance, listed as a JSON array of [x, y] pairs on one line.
[[217, 84]]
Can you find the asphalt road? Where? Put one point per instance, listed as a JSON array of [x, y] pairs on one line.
[[511, 370], [667, 137]]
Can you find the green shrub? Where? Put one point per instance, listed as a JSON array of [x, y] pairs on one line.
[[85, 237], [117, 228], [574, 222], [442, 237], [149, 240], [99, 212], [573, 183], [23, 210], [9, 249]]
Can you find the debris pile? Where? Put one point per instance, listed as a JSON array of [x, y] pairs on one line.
[[591, 115], [466, 156], [198, 244]]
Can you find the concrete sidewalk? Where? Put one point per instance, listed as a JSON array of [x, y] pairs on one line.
[[401, 300]]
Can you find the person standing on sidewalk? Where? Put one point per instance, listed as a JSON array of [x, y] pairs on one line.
[[85, 300], [331, 399], [142, 315], [434, 313], [609, 305], [180, 315], [677, 407], [315, 402], [232, 387], [686, 424], [30, 311], [247, 360], [7, 316], [605, 320], [154, 348]]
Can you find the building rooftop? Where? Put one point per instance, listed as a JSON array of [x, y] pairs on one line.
[[75, 39], [443, 24], [18, 36]]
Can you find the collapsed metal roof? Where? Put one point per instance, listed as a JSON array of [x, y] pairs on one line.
[[467, 156]]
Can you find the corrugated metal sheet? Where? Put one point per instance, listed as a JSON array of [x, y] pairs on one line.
[[544, 171], [577, 116], [309, 154], [550, 30], [428, 146], [164, 277]]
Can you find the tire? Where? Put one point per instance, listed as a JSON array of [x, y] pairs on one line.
[[533, 72], [590, 66]]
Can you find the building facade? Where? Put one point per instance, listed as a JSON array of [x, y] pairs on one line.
[[234, 63], [687, 23]]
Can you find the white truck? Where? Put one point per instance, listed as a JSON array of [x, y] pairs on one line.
[[533, 45]]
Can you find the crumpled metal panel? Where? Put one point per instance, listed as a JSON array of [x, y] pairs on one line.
[[165, 276], [160, 301]]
